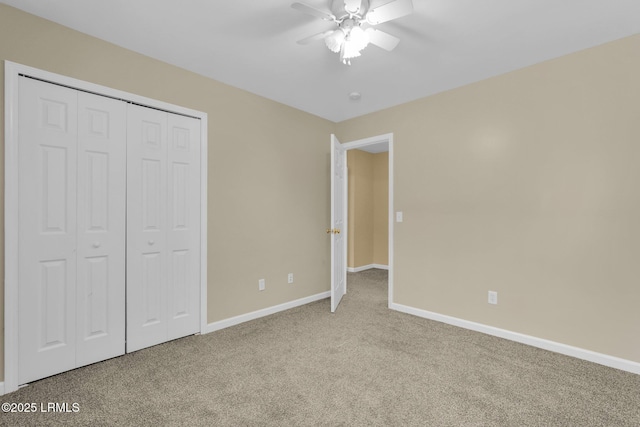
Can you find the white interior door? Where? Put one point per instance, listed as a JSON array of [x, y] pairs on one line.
[[47, 229], [163, 227], [338, 216], [183, 242], [71, 228], [146, 227], [66, 215], [101, 199]]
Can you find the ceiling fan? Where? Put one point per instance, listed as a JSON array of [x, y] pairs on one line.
[[354, 20]]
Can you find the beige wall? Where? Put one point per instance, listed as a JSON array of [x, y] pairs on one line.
[[360, 225], [368, 208], [381, 208], [526, 184], [268, 165], [351, 207]]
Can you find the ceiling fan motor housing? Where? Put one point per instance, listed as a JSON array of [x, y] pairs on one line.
[[339, 9]]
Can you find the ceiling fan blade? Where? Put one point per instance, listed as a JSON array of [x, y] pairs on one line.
[[352, 6], [392, 10], [381, 39], [304, 8], [315, 37]]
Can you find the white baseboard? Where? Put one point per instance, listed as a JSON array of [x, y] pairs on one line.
[[1, 388], [579, 353], [367, 267], [221, 324]]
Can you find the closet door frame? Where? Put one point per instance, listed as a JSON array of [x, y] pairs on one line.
[[13, 71]]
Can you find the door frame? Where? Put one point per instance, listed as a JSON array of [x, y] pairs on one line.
[[374, 140], [12, 73]]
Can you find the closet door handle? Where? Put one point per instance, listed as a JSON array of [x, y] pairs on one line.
[[150, 242], [96, 244]]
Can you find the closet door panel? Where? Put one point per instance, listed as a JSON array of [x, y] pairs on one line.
[[183, 239], [146, 227], [47, 229], [101, 228], [109, 228]]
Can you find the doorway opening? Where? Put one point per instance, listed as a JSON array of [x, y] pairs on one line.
[[372, 152]]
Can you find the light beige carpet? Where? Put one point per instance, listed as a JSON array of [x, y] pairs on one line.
[[363, 366]]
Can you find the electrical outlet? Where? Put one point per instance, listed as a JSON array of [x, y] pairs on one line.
[[493, 297], [261, 285], [290, 278]]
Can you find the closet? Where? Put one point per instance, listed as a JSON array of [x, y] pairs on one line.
[[108, 230]]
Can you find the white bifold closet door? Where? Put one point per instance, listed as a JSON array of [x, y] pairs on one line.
[[163, 227], [109, 228], [71, 227]]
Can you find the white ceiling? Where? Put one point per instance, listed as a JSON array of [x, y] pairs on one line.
[[251, 44], [380, 147]]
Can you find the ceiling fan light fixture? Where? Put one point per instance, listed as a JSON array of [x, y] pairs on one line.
[[358, 38], [349, 43], [349, 51], [335, 40], [349, 39]]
